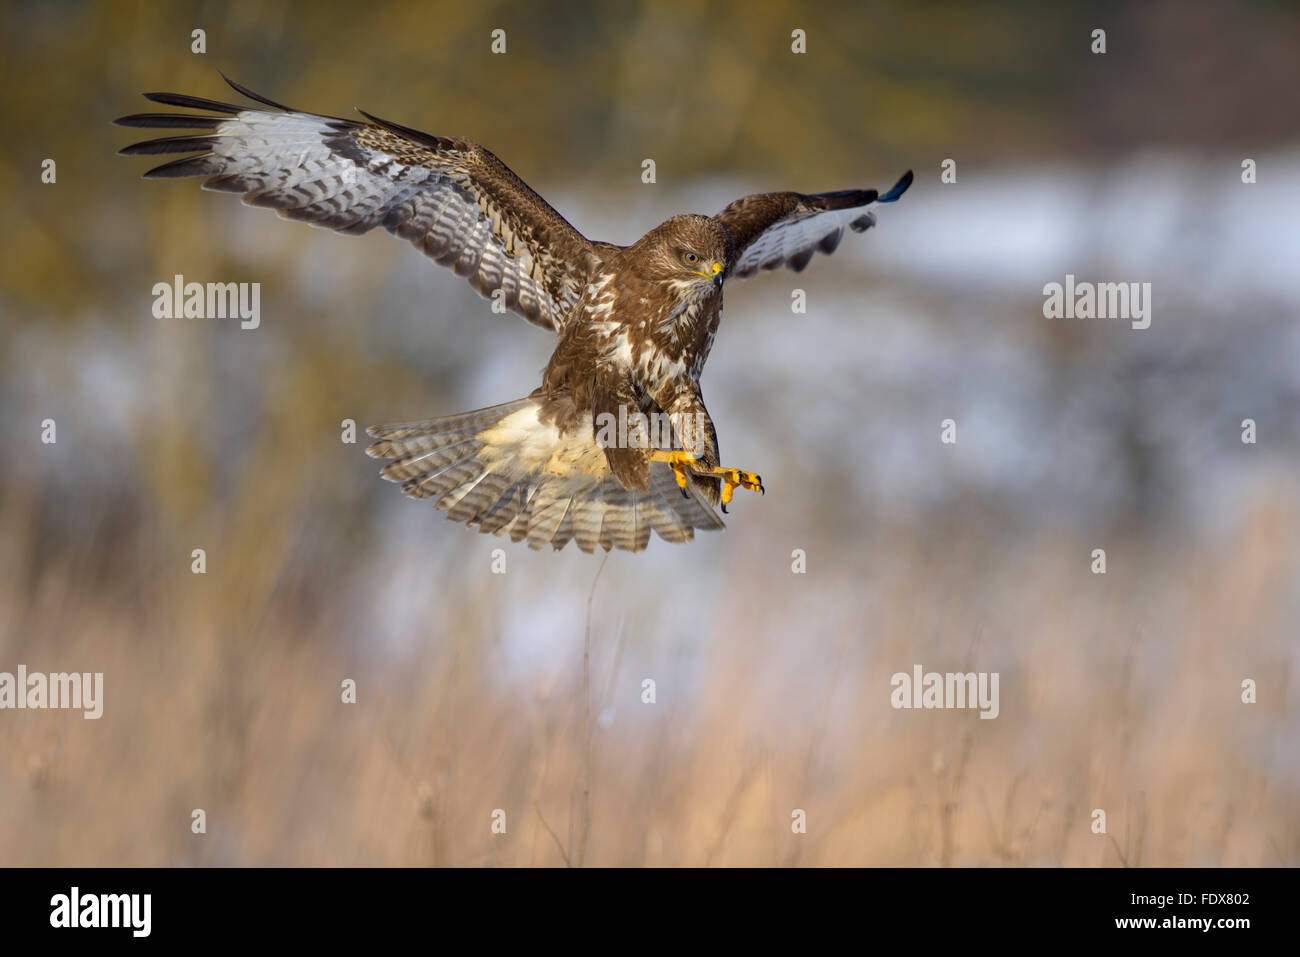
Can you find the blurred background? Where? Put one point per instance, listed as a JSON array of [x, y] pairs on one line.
[[222, 691]]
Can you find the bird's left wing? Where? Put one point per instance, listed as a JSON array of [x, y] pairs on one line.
[[454, 200], [771, 229]]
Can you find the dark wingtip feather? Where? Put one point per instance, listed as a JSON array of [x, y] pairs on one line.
[[200, 165], [437, 142], [180, 121], [168, 144], [830, 241], [801, 259], [842, 199], [240, 88], [863, 223], [193, 102], [387, 124], [898, 189]]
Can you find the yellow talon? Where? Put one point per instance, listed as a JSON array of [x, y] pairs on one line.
[[679, 461], [733, 479]]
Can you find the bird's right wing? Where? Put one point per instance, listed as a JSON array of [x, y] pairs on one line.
[[455, 201]]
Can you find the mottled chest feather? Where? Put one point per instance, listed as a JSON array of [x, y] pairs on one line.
[[654, 333]]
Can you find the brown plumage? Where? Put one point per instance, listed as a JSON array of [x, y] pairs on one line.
[[635, 324]]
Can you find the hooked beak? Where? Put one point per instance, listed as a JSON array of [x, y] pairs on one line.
[[714, 271]]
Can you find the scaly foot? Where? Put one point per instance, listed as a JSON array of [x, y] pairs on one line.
[[732, 479], [679, 461]]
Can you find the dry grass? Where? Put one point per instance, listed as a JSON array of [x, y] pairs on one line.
[[222, 692]]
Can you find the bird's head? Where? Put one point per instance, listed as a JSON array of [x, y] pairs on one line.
[[692, 253]]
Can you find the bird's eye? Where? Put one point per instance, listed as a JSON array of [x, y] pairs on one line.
[[692, 258]]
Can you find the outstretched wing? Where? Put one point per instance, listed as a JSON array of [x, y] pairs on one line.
[[774, 228], [454, 200]]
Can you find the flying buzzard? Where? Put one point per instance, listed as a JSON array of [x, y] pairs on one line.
[[616, 440]]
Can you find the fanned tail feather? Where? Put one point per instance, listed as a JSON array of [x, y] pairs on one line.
[[507, 471]]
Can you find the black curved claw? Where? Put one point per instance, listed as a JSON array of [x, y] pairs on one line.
[[684, 495], [724, 510]]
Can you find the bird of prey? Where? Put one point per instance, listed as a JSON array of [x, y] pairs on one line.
[[616, 441]]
